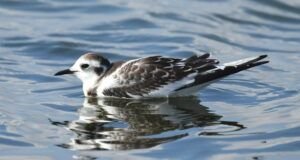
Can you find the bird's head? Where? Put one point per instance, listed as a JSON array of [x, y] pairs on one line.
[[88, 67]]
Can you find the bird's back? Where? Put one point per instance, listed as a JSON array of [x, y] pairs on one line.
[[164, 77]]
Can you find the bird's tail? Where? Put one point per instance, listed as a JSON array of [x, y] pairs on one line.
[[230, 68], [209, 76]]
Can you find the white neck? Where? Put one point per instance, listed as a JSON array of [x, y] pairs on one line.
[[89, 84]]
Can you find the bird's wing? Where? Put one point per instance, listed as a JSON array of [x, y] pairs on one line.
[[224, 70], [140, 77]]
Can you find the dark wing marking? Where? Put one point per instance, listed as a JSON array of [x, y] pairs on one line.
[[142, 76], [218, 73], [113, 67]]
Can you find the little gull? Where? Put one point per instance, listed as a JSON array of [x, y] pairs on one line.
[[155, 76]]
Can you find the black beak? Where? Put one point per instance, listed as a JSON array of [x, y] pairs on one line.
[[66, 71]]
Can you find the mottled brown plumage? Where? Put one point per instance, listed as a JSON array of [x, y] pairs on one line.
[[154, 76], [145, 75]]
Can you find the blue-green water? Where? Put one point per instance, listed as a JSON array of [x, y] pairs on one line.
[[251, 115]]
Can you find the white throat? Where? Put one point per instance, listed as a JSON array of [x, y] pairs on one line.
[[89, 83]]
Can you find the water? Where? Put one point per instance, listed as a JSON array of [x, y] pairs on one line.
[[251, 115]]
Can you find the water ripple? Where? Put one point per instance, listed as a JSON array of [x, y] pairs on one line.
[[251, 115], [242, 21], [283, 6], [128, 24], [177, 18], [11, 142], [272, 17]]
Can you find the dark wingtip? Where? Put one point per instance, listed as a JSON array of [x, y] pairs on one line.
[[261, 57], [204, 56], [256, 59], [261, 62]]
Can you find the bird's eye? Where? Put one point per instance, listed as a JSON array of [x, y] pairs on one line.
[[84, 66]]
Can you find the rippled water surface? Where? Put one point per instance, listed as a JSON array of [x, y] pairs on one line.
[[251, 115]]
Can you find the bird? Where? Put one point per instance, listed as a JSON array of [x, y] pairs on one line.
[[154, 76]]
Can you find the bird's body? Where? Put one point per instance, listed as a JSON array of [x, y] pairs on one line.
[[154, 76]]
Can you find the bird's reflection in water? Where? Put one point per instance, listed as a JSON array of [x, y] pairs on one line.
[[123, 124]]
